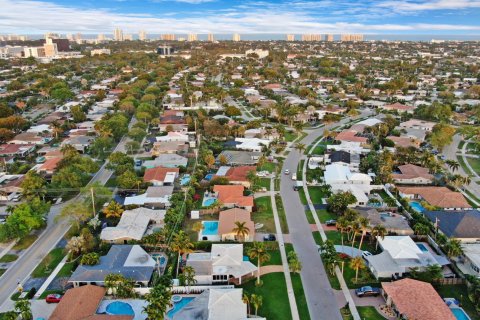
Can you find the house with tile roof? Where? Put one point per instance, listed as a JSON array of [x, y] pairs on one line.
[[440, 197], [351, 136], [397, 106], [161, 176], [404, 141], [82, 303], [236, 175], [231, 196], [226, 224], [413, 299], [412, 174]]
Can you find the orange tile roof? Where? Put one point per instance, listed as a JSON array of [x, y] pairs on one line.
[[417, 300], [228, 218], [158, 173], [404, 141], [441, 197], [81, 304], [239, 173], [409, 171], [398, 106], [350, 135], [233, 194], [51, 164]]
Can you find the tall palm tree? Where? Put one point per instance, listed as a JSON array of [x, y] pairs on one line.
[[294, 263], [113, 210], [256, 301], [355, 229], [453, 165], [300, 147], [342, 226], [364, 225], [158, 300], [56, 128], [258, 251], [189, 277], [241, 230], [357, 264], [181, 244], [379, 231], [246, 300]]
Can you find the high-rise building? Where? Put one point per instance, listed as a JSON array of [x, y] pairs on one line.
[[118, 34], [290, 37], [142, 35], [77, 36], [236, 37], [13, 37], [128, 37], [211, 38], [50, 48], [101, 37], [329, 37], [192, 37], [351, 37], [168, 37], [311, 37]]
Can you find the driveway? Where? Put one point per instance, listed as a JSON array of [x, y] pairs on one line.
[[359, 302], [41, 309]]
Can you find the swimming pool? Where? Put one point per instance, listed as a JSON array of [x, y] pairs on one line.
[[208, 202], [422, 247], [417, 206], [210, 228], [209, 176], [185, 180], [177, 306], [460, 314], [120, 308]]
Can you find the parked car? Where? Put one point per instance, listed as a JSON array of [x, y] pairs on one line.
[[330, 223], [287, 171], [269, 237], [294, 176], [53, 298], [366, 254], [367, 291]]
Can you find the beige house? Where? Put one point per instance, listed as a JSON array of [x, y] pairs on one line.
[[226, 224]]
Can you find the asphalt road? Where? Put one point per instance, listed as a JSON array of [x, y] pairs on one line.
[[48, 239], [321, 300]]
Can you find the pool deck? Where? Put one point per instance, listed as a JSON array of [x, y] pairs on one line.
[[137, 306]]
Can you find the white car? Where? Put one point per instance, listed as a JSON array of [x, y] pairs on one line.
[[287, 171]]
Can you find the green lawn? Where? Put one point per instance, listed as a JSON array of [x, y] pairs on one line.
[[2, 271], [460, 293], [275, 297], [25, 242], [45, 268], [316, 194], [300, 296], [8, 258], [317, 237], [290, 136], [267, 166], [324, 215], [299, 169], [264, 214], [475, 163], [66, 270], [264, 183], [366, 313], [281, 214], [464, 165], [336, 237]]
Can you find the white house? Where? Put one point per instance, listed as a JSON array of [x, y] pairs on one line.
[[252, 144]]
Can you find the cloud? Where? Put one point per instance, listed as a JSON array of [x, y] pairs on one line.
[[31, 16], [409, 6]]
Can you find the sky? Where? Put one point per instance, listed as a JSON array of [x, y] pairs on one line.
[[244, 17]]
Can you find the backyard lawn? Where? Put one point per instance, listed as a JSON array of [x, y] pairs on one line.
[[274, 293], [45, 268], [324, 215], [267, 166], [264, 183], [264, 214], [316, 194], [460, 293]]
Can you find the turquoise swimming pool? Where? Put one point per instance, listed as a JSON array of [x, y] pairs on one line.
[[422, 247], [210, 228], [417, 206], [177, 306], [460, 314], [120, 308]]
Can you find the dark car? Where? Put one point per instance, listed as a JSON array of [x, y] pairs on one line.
[[330, 223], [269, 237], [53, 298], [367, 291]]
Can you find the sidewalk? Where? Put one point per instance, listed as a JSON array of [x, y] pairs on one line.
[[281, 245], [51, 277], [343, 285], [7, 248]]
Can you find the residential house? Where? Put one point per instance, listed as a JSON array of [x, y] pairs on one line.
[[169, 147], [469, 261], [167, 161], [29, 138], [240, 158], [399, 255], [10, 186], [461, 225], [80, 143], [252, 144], [418, 124], [440, 197], [133, 225], [154, 197], [173, 120], [397, 106], [351, 136], [82, 303], [16, 150], [344, 158], [178, 137], [216, 304], [160, 176], [232, 196], [49, 167], [223, 265], [413, 299], [131, 261], [236, 175], [404, 142], [395, 223], [412, 174], [226, 224]]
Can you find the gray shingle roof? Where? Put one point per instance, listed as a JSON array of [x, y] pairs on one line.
[[457, 224]]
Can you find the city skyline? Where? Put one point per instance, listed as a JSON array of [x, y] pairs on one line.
[[213, 16]]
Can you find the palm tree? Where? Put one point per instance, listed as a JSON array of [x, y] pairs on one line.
[[69, 151], [293, 263], [342, 226], [355, 229], [300, 147], [246, 300], [453, 165], [76, 246], [421, 229], [259, 252], [90, 259], [357, 264], [158, 301], [189, 277], [23, 308], [197, 226], [379, 231], [364, 224], [181, 244], [56, 128], [298, 128], [241, 230], [454, 248], [257, 301], [113, 210]]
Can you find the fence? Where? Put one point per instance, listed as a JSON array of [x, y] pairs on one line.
[[185, 289], [209, 211], [449, 281]]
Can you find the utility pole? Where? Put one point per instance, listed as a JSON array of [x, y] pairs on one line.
[[93, 201]]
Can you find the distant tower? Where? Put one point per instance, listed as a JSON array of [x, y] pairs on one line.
[[142, 35], [118, 34], [211, 38], [168, 37], [236, 37], [329, 37], [101, 37], [128, 37], [192, 37], [290, 37]]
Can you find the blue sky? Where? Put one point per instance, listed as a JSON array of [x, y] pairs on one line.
[[230, 16]]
